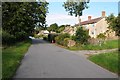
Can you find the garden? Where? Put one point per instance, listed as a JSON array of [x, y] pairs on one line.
[[82, 41]]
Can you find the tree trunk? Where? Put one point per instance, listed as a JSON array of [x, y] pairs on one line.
[[79, 19]]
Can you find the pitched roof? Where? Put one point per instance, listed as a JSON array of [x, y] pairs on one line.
[[91, 21]]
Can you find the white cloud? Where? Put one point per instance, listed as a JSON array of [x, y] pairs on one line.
[[61, 19]]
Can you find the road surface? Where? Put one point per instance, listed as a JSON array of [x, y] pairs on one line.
[[45, 60]]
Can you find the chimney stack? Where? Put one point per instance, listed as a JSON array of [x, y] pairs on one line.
[[89, 18], [103, 14]]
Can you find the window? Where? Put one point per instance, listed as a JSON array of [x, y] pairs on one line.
[[92, 32]]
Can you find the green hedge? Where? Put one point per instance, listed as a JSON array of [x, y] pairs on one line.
[[7, 39], [62, 39]]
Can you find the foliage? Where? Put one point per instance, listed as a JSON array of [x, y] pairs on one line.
[[66, 42], [107, 60], [73, 37], [38, 36], [60, 38], [101, 35], [53, 27], [81, 36], [19, 19], [114, 23], [7, 38], [101, 38], [45, 38], [51, 37], [75, 7], [61, 28], [38, 29], [11, 58]]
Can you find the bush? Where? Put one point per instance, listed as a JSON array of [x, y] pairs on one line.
[[7, 39], [101, 35], [45, 38], [81, 36], [101, 38], [73, 37], [60, 38], [21, 36], [65, 43]]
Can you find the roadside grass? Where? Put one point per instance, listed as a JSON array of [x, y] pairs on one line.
[[110, 44], [106, 60], [11, 58]]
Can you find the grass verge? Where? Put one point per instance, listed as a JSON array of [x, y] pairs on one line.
[[110, 44], [107, 60], [11, 58]]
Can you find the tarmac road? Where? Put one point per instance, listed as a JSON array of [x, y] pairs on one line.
[[45, 60]]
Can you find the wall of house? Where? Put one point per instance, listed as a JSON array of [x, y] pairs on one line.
[[101, 27], [70, 30], [97, 28], [91, 28]]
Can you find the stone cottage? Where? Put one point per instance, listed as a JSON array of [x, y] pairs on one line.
[[97, 26]]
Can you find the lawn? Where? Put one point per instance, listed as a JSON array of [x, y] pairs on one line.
[[106, 60], [110, 44], [11, 58]]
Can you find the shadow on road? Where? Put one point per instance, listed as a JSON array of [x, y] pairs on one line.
[[39, 41]]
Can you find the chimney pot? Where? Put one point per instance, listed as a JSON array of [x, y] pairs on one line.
[[89, 17], [103, 14]]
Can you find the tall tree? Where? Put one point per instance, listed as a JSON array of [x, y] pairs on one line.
[[76, 7], [53, 27], [20, 18], [114, 23]]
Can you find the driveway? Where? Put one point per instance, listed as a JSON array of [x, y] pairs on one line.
[[45, 60]]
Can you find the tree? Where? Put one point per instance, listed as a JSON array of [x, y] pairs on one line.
[[20, 18], [61, 28], [75, 7], [81, 36], [114, 23], [53, 27]]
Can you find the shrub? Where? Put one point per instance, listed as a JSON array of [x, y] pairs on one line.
[[7, 39], [65, 43], [81, 36], [60, 38], [20, 36], [101, 38], [101, 35], [45, 38], [73, 37]]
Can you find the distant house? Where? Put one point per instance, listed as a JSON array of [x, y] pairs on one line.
[[97, 26], [70, 30], [43, 32]]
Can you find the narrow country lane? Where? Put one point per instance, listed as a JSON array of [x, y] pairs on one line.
[[45, 60]]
